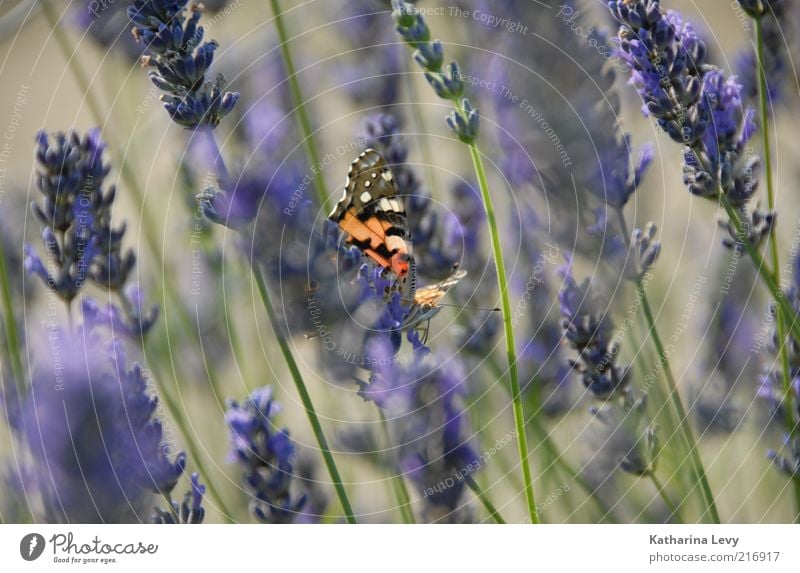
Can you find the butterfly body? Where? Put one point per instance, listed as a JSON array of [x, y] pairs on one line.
[[426, 300], [373, 217]]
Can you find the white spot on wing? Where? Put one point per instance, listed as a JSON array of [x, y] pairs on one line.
[[365, 197], [385, 205], [387, 175]]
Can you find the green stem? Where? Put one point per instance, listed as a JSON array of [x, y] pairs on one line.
[[502, 282], [783, 307], [773, 241], [765, 134], [294, 370], [663, 494], [766, 274], [398, 483], [305, 398], [545, 441], [679, 412], [303, 122], [646, 361], [484, 499], [12, 335]]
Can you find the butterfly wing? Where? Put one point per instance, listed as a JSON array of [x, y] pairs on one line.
[[373, 217], [371, 190], [431, 295], [427, 299]]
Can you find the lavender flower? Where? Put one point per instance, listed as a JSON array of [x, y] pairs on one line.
[[757, 225], [235, 205], [771, 382], [268, 191], [180, 61], [106, 23], [790, 467], [668, 61], [621, 178], [464, 119], [428, 424], [145, 432], [771, 385], [715, 165], [71, 182], [558, 128], [693, 103], [266, 455], [79, 238], [635, 261], [190, 511], [134, 321], [89, 421], [590, 332]]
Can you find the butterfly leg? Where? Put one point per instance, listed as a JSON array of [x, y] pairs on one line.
[[427, 332]]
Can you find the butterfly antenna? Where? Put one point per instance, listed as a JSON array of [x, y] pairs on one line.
[[460, 306], [464, 307]]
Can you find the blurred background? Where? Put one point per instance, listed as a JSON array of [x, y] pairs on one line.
[[351, 66]]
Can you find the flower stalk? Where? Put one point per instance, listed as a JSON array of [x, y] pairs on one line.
[[484, 499], [301, 113], [464, 120], [283, 344], [679, 415], [780, 324], [505, 305], [305, 397], [12, 335]]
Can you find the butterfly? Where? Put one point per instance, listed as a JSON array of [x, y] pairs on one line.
[[373, 217]]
